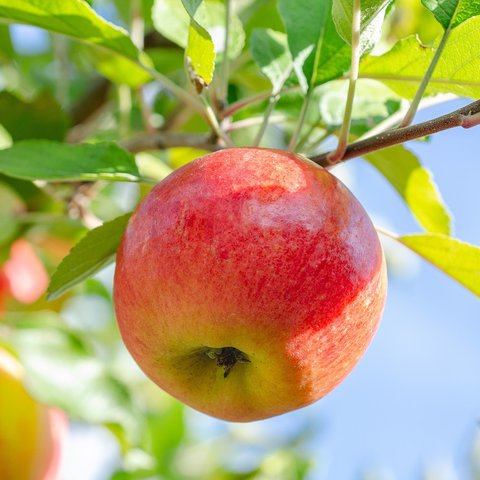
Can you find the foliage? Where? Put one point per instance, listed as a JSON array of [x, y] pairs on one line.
[[98, 84]]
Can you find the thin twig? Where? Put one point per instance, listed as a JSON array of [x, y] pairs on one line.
[[124, 109], [138, 38], [162, 140], [224, 72], [60, 47], [254, 121], [259, 97], [183, 95], [212, 120], [303, 113], [347, 118], [466, 117]]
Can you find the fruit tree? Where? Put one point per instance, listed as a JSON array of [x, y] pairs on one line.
[[190, 179]]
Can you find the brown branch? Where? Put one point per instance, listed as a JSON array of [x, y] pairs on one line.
[[162, 140], [466, 117]]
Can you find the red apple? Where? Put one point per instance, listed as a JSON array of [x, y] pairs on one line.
[[3, 291], [26, 275], [30, 433], [249, 283]]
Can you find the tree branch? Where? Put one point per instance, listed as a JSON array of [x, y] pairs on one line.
[[466, 117], [162, 140]]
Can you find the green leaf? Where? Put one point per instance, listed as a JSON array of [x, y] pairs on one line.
[[41, 118], [415, 185], [63, 370], [200, 54], [6, 48], [270, 51], [191, 6], [200, 51], [318, 52], [51, 161], [372, 14], [451, 13], [78, 20], [172, 20], [94, 251], [403, 67], [459, 260], [116, 68]]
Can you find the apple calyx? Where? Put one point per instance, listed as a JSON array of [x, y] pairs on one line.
[[227, 358]]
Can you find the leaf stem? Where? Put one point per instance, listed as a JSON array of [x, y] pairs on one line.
[[408, 119], [60, 48], [183, 95], [212, 120], [246, 102], [303, 113], [224, 72], [347, 118], [124, 109], [138, 38], [266, 117]]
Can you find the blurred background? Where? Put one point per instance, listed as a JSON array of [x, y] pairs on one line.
[[409, 410]]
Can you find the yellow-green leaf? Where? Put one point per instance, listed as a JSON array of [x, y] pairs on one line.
[[200, 55], [415, 185], [459, 260], [403, 67]]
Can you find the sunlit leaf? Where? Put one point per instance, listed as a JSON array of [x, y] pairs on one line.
[[172, 21], [415, 185], [459, 260], [372, 13], [200, 53], [451, 13], [403, 67]]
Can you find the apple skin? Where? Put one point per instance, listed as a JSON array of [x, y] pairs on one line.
[[31, 434], [261, 251]]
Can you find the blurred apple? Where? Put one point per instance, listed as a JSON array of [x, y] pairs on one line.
[[30, 433], [26, 275]]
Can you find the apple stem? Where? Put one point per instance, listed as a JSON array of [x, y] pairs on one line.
[[227, 358]]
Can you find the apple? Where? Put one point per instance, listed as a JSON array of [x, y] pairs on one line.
[[30, 433], [3, 291], [249, 283], [26, 275]]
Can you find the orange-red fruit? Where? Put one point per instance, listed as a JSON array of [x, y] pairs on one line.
[[30, 433], [26, 275], [249, 283]]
